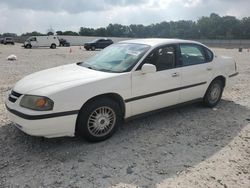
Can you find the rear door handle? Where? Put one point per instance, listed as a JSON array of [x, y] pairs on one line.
[[176, 74], [209, 68]]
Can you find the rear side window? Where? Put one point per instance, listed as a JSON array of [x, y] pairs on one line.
[[192, 54], [209, 54]]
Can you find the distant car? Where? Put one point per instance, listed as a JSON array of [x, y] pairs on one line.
[[63, 42], [93, 97], [1, 40], [98, 44], [8, 40], [41, 41]]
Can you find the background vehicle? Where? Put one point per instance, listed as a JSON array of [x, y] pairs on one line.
[[63, 42], [8, 40], [98, 44], [1, 40], [42, 41], [92, 98]]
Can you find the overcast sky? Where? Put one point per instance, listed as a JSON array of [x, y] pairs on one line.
[[21, 16]]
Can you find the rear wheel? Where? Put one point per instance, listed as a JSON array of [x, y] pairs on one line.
[[99, 119], [53, 46], [213, 93], [28, 46]]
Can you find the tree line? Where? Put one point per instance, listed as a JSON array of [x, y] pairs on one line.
[[206, 27], [212, 27]]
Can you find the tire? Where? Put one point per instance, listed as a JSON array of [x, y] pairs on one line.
[[28, 46], [92, 48], [53, 46], [99, 119], [213, 93]]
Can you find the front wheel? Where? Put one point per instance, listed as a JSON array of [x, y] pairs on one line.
[[213, 93], [99, 119]]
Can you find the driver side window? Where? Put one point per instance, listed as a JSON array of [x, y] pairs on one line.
[[163, 58], [33, 39]]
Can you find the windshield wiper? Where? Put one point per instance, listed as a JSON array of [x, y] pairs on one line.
[[94, 68], [85, 65], [89, 67], [106, 70]]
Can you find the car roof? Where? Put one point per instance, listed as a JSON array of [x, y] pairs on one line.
[[105, 39], [159, 41]]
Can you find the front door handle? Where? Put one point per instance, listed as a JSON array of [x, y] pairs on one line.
[[176, 74]]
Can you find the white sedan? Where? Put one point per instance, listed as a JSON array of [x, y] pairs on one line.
[[133, 77]]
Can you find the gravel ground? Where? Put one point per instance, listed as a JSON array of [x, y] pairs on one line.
[[190, 146]]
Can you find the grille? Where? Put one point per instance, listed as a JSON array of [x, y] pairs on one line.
[[14, 96]]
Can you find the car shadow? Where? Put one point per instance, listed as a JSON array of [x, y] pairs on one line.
[[143, 152], [40, 48]]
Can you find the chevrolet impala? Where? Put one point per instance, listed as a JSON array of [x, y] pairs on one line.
[[92, 98]]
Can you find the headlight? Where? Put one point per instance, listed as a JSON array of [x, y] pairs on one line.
[[39, 103]]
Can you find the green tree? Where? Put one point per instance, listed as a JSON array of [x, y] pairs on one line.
[[33, 33], [245, 28], [72, 33], [59, 32], [9, 35]]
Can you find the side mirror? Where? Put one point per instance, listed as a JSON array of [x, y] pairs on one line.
[[148, 68]]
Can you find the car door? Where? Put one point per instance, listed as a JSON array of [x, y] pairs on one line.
[[105, 43], [100, 43], [196, 72], [34, 42], [159, 89]]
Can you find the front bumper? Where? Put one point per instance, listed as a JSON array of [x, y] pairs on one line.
[[45, 125]]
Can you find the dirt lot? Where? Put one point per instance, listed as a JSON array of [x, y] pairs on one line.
[[190, 146]]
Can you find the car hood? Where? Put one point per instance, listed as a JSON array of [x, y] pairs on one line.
[[59, 75]]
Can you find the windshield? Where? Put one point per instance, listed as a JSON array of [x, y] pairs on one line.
[[117, 58]]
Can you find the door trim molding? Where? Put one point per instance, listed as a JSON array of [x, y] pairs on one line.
[[163, 92]]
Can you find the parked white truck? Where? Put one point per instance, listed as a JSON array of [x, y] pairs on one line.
[[42, 41]]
